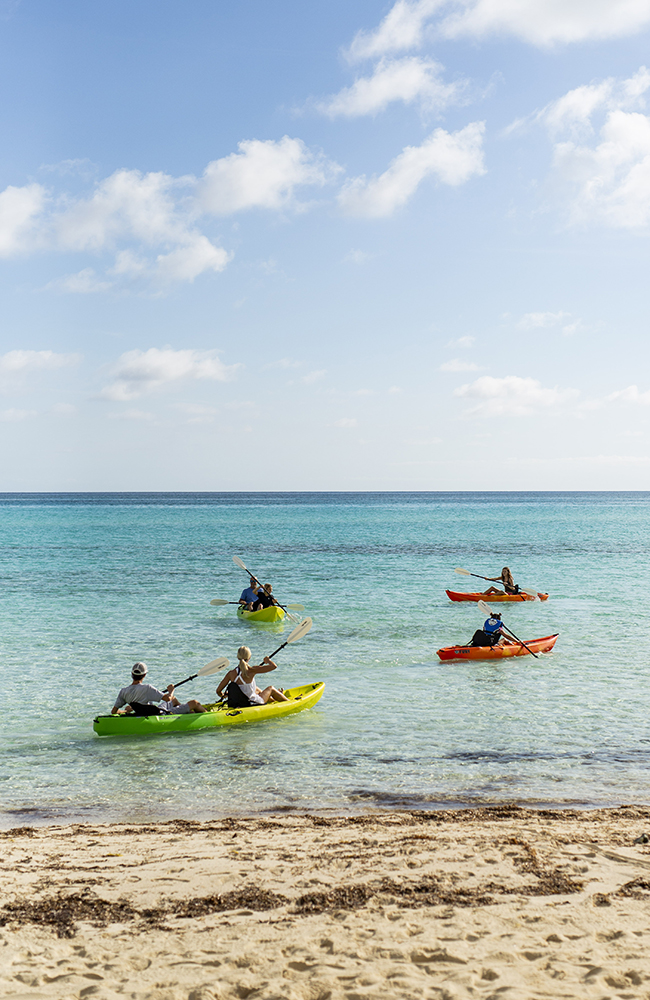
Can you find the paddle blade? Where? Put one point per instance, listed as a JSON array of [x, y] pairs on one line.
[[295, 607], [485, 608], [463, 572], [214, 667], [530, 592], [301, 631], [219, 602], [237, 561]]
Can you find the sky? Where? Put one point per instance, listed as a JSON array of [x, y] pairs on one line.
[[324, 246]]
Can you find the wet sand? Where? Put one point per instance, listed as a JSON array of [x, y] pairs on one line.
[[488, 903]]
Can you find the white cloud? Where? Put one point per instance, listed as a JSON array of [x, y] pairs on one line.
[[345, 422], [186, 263], [401, 29], [315, 376], [19, 209], [539, 22], [149, 222], [141, 371], [462, 342], [84, 282], [511, 396], [601, 154], [456, 365], [15, 416], [64, 409], [550, 320], [357, 257], [541, 320], [25, 361], [263, 174], [126, 204], [405, 80], [629, 395], [451, 157], [547, 22]]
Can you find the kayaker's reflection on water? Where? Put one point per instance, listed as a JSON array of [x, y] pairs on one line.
[[250, 595], [491, 634], [145, 699], [239, 683], [506, 580]]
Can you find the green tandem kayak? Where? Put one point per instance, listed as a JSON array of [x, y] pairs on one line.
[[300, 698], [272, 614]]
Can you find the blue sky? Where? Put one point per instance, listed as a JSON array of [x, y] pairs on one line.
[[324, 246]]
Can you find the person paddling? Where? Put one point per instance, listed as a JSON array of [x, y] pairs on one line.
[[506, 580], [145, 699], [239, 683], [265, 598], [249, 596], [491, 634]]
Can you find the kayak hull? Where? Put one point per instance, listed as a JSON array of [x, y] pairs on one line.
[[454, 595], [272, 614], [497, 652], [300, 698]]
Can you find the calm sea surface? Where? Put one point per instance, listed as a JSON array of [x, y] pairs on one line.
[[90, 583]]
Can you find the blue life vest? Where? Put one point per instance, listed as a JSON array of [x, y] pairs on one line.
[[492, 625]]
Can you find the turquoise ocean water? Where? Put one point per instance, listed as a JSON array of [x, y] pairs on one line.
[[89, 583]]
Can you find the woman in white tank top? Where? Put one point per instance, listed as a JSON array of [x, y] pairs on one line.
[[242, 677]]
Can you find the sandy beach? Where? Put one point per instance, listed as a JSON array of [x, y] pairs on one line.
[[488, 902]]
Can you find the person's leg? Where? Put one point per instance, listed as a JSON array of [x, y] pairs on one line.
[[196, 706], [272, 694]]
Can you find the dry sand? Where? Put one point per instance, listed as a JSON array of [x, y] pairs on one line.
[[488, 903]]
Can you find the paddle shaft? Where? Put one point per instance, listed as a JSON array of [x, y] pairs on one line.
[[506, 629], [185, 681]]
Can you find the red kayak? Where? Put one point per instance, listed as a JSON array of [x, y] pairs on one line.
[[544, 645], [453, 595]]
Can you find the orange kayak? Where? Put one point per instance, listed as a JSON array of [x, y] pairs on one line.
[[544, 645], [453, 595]]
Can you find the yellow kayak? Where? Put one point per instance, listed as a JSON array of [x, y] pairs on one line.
[[272, 614], [300, 698]]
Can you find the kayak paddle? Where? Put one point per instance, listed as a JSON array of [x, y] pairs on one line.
[[486, 610], [466, 572], [297, 633], [294, 607], [238, 562], [210, 668]]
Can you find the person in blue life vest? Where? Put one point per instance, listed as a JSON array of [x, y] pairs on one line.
[[491, 634], [249, 596]]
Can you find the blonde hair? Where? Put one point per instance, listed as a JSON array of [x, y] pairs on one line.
[[244, 654]]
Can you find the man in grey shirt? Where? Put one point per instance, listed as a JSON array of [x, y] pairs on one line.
[[138, 698]]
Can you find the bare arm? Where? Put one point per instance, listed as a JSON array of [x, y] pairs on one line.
[[264, 667], [223, 684]]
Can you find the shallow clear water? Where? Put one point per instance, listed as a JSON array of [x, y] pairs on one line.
[[91, 583]]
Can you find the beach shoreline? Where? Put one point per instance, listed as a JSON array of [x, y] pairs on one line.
[[439, 903]]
